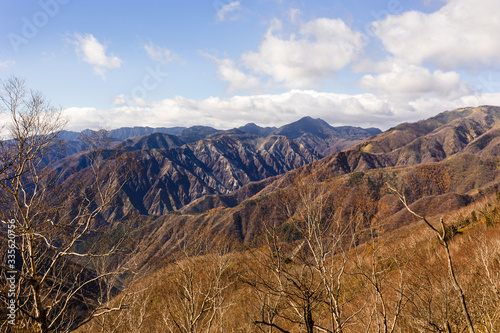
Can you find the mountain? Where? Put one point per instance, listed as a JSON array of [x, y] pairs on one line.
[[445, 162], [325, 139], [252, 128], [466, 139], [152, 141], [306, 126], [176, 169], [124, 133], [415, 255], [69, 135], [170, 174], [446, 166], [316, 134], [195, 133], [174, 175], [130, 132], [467, 130], [255, 195]]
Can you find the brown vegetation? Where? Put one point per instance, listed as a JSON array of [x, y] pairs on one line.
[[309, 275], [335, 246]]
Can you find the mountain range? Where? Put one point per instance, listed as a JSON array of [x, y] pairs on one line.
[[199, 195], [225, 168], [442, 164], [315, 134], [231, 182], [175, 166], [170, 176]]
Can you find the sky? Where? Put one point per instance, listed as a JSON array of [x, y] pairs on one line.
[[224, 63]]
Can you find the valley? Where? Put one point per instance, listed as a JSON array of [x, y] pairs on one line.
[[225, 207]]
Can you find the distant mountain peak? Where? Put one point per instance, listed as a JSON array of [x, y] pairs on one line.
[[311, 120], [252, 128], [305, 125], [314, 133]]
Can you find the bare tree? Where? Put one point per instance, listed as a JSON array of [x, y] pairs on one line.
[[444, 238], [487, 289], [200, 282], [385, 269], [53, 213], [330, 235], [433, 305], [306, 279], [287, 284], [133, 316]]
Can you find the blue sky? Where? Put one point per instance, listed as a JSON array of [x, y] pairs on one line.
[[225, 63]]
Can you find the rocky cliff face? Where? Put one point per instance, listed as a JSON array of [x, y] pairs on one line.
[[174, 166], [453, 136], [170, 174]]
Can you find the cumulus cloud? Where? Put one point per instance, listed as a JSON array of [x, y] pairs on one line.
[[159, 54], [7, 63], [93, 52], [119, 100], [236, 111], [227, 11], [81, 118], [228, 71], [462, 34], [409, 82], [316, 51], [365, 110]]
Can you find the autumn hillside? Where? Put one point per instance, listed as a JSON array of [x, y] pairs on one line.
[[245, 232], [331, 246], [392, 282]]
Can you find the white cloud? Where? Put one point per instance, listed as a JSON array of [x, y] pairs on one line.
[[228, 71], [318, 50], [7, 63], [369, 65], [159, 54], [294, 14], [364, 110], [238, 110], [122, 100], [462, 33], [119, 100], [408, 82], [223, 14], [81, 118], [5, 119], [94, 53], [138, 101]]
